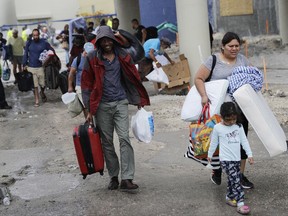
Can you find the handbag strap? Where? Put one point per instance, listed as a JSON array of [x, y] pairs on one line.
[[205, 114], [212, 68], [5, 62]]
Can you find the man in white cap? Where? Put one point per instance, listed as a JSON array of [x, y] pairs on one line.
[[76, 72]]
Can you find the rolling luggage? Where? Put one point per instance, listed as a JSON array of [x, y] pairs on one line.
[[25, 81], [88, 150], [63, 81], [51, 76]]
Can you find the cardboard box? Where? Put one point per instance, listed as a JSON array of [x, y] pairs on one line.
[[178, 74]]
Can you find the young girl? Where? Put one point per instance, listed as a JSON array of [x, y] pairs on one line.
[[229, 134]]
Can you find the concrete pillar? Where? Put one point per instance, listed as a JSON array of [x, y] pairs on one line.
[[127, 10], [283, 22], [7, 15], [193, 28]]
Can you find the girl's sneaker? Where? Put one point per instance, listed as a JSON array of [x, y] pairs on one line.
[[244, 210], [232, 203]]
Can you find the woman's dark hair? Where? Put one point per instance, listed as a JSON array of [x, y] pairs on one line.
[[228, 37], [228, 109]]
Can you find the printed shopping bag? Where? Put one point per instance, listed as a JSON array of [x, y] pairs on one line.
[[201, 131]]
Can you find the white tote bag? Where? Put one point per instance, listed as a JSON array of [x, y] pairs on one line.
[[142, 125]]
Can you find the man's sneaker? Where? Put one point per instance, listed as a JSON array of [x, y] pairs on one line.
[[216, 176], [246, 183]]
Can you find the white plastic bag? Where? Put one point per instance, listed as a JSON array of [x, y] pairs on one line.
[[142, 125], [158, 75], [75, 107], [68, 97]]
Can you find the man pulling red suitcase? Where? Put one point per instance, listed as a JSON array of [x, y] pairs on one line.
[[88, 149]]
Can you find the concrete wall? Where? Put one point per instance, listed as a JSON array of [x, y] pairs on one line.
[[155, 12], [249, 25], [92, 6], [46, 10], [15, 12]]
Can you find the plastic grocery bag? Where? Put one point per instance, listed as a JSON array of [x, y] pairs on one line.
[[158, 75], [6, 71], [75, 107], [142, 125], [68, 97]]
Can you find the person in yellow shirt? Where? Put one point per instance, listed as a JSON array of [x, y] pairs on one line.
[[9, 34], [109, 21], [24, 34]]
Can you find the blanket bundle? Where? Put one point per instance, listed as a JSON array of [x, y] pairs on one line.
[[245, 75]]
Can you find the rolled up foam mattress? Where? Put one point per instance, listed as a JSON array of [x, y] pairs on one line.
[[262, 119]]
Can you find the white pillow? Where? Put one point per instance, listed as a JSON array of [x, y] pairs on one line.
[[192, 107]]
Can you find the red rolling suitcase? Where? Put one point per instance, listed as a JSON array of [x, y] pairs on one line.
[[88, 150]]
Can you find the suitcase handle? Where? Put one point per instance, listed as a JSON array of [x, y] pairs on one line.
[[92, 125]]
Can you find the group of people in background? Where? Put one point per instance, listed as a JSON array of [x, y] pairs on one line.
[[25, 53]]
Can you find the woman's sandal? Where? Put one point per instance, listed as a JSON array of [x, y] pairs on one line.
[[36, 105], [232, 203], [244, 210]]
